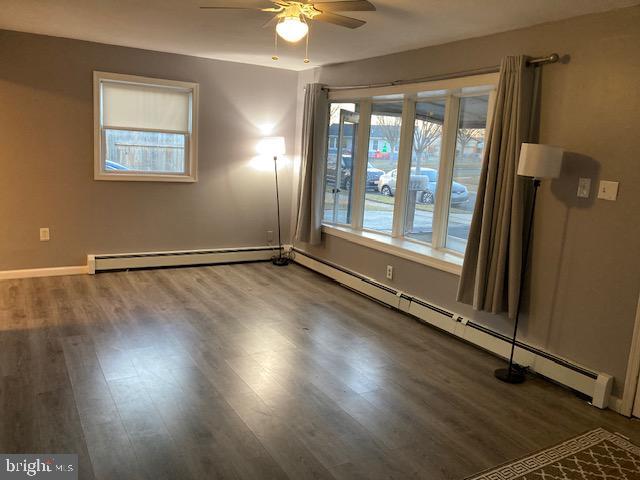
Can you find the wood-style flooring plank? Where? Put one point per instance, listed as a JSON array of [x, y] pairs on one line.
[[257, 372]]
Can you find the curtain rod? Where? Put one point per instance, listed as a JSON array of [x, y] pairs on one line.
[[553, 58]]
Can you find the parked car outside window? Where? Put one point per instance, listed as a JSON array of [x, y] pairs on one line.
[[427, 180], [373, 174]]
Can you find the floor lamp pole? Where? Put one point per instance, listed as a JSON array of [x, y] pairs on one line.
[[514, 374], [279, 260]]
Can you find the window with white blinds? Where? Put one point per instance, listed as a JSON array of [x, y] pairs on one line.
[[146, 128]]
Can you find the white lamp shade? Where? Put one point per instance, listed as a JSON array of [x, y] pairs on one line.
[[272, 146], [540, 161], [292, 29]]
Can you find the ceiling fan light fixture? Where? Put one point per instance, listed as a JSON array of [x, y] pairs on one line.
[[292, 29]]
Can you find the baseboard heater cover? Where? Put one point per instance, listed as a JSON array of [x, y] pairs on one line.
[[126, 261], [593, 384]]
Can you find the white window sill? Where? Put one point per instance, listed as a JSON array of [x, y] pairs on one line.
[[416, 252], [143, 177]]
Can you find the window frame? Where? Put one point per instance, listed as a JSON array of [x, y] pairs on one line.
[[339, 145], [191, 136], [452, 91], [365, 162], [450, 164]]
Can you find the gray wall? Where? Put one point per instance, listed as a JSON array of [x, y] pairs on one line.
[[46, 156], [585, 276], [586, 272]]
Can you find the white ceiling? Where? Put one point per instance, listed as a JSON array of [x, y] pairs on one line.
[[179, 26]]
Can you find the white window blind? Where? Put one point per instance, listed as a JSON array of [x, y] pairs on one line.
[[135, 106]]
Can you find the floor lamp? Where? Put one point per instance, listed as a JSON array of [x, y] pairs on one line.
[[537, 162], [275, 147]]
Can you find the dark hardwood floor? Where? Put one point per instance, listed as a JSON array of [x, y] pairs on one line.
[[257, 372]]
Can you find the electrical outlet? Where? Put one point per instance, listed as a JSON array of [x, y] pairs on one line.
[[44, 235], [269, 236], [390, 272], [584, 187], [608, 190]]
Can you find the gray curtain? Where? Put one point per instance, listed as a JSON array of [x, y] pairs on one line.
[[490, 279], [311, 183]]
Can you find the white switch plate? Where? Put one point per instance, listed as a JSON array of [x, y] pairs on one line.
[[390, 272], [584, 187], [608, 190], [269, 235], [44, 235]]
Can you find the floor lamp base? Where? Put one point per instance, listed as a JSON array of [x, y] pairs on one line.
[[510, 376], [280, 261]]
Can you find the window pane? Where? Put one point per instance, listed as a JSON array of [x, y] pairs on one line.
[[149, 152], [384, 143], [425, 159], [466, 169], [343, 125]]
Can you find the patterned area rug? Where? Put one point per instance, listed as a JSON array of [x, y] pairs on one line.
[[596, 455]]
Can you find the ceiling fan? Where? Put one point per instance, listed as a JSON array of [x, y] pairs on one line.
[[291, 17]]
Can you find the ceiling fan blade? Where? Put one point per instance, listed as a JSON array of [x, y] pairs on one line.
[[339, 20], [242, 5], [345, 6]]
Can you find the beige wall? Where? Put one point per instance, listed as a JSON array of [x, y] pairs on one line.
[[586, 261], [46, 156]]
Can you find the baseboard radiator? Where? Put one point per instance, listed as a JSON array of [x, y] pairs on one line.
[[127, 261], [593, 384]]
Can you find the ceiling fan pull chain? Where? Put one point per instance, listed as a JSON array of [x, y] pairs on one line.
[[275, 56], [306, 51]]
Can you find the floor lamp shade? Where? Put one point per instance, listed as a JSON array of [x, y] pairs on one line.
[[271, 146], [540, 161]]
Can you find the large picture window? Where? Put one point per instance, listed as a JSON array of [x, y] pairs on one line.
[[411, 162], [145, 128]]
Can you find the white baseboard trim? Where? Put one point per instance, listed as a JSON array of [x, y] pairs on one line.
[[43, 272], [596, 385], [178, 258], [122, 261]]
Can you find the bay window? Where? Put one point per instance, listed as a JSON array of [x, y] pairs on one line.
[[404, 162]]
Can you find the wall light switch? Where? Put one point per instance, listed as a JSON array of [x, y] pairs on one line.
[[584, 187], [608, 190], [44, 235]]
